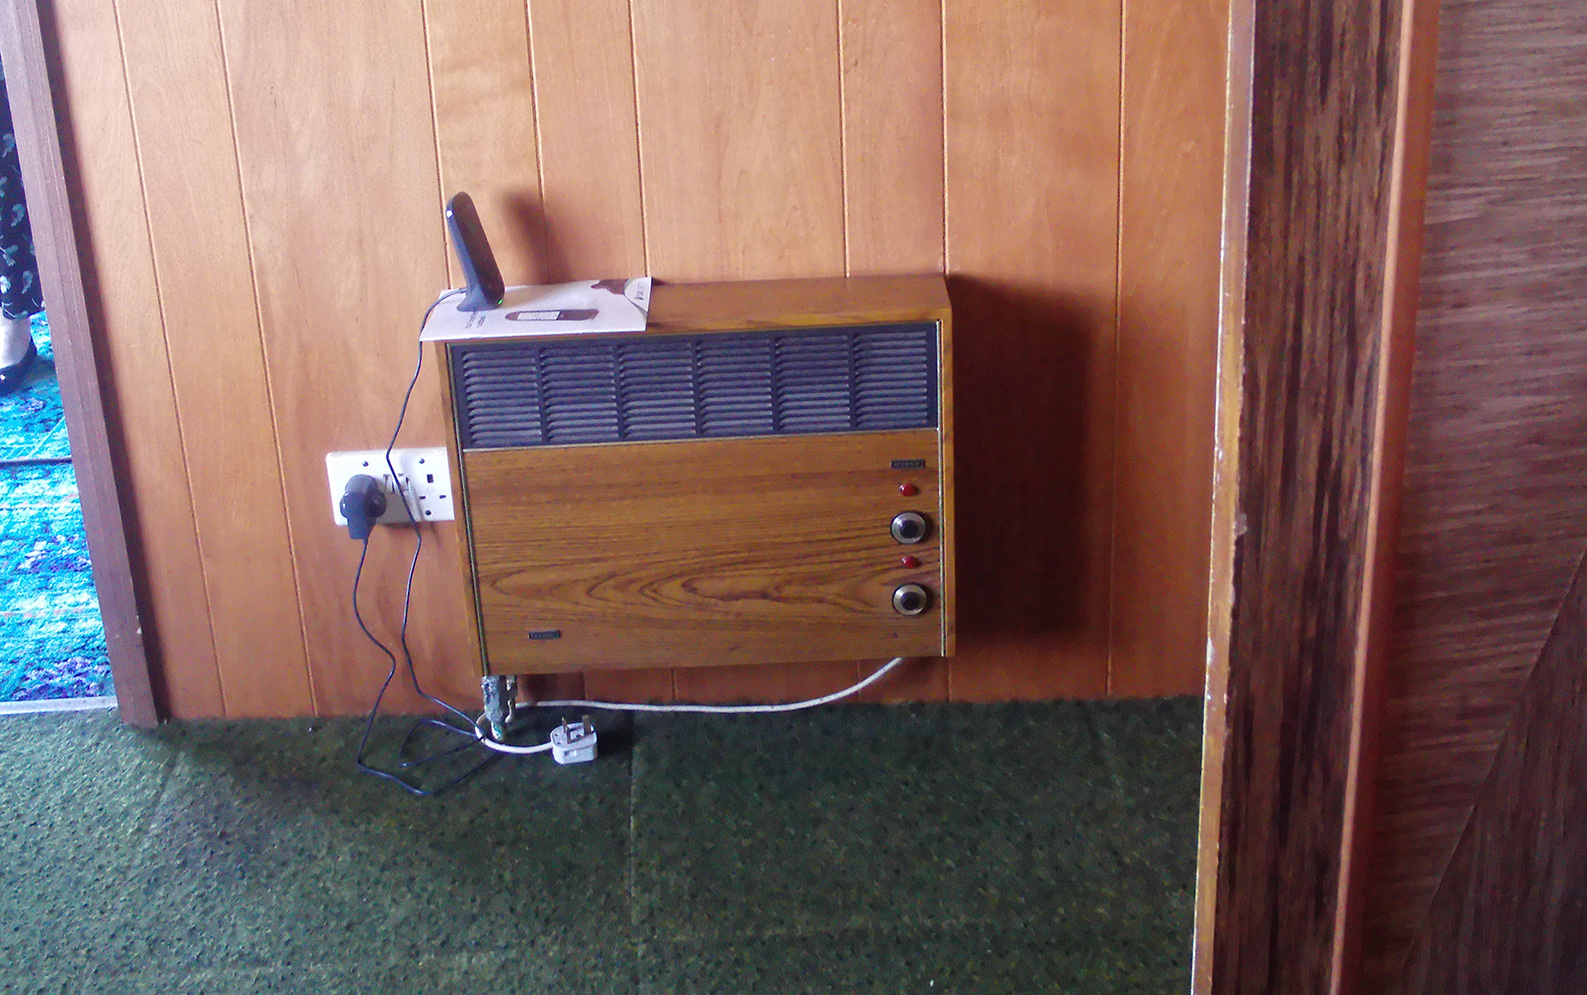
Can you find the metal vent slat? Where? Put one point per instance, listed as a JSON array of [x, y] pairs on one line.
[[504, 404], [658, 389], [731, 384]]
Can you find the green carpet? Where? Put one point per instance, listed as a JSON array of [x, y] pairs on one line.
[[52, 642], [933, 849]]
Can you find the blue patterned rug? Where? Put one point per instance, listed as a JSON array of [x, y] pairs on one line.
[[52, 644]]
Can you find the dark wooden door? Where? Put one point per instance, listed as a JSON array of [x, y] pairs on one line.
[[1509, 914], [1478, 879], [1397, 755]]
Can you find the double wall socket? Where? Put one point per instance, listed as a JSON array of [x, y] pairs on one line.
[[425, 474]]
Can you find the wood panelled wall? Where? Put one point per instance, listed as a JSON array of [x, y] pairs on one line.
[[1494, 508], [262, 187]]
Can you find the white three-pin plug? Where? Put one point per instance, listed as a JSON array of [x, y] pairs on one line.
[[573, 744]]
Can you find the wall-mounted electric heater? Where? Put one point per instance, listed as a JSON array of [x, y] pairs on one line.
[[763, 474]]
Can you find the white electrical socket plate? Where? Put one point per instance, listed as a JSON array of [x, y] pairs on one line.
[[426, 477]]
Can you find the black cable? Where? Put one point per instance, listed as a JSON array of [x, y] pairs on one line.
[[418, 533], [404, 763]]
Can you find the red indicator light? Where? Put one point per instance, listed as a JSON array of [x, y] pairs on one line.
[[909, 562], [908, 490]]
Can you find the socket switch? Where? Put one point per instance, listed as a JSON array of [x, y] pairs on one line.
[[426, 479]]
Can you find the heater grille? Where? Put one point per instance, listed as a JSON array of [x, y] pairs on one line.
[[723, 385]]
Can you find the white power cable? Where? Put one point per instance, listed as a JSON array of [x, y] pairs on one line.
[[791, 706], [500, 747]]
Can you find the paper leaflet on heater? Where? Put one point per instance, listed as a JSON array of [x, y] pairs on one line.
[[583, 307]]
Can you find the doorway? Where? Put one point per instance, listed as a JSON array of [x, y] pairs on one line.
[[52, 641], [71, 351]]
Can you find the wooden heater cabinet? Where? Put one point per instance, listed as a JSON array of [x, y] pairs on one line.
[[763, 475]]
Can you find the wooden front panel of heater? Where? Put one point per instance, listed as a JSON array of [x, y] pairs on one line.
[[704, 552]]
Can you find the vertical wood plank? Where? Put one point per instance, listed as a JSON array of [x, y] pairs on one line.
[[125, 313], [482, 76], [589, 138], [1225, 491], [740, 138], [1312, 278], [1032, 200], [1170, 174], [892, 135], [1418, 47], [50, 210], [177, 83], [485, 127], [1225, 487], [893, 196], [337, 157], [741, 159]]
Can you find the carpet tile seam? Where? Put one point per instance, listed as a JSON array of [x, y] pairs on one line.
[[631, 840], [87, 974], [145, 833], [878, 928], [1111, 758]]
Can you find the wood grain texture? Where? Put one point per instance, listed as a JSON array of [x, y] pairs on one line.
[[1169, 173], [50, 210], [891, 55], [1032, 199], [892, 79], [589, 139], [1226, 490], [765, 140], [481, 81], [1407, 202], [701, 553], [692, 308], [1495, 499], [588, 123], [1322, 131], [708, 307], [740, 138], [352, 252], [1510, 913], [177, 84], [118, 273], [654, 685], [891, 61]]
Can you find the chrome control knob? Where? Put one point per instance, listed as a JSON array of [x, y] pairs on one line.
[[909, 527], [911, 599]]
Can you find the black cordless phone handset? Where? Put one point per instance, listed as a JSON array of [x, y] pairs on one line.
[[485, 287]]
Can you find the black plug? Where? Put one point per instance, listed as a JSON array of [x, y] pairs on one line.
[[362, 504]]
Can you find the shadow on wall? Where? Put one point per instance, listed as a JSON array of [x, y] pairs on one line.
[[1021, 363], [530, 228]]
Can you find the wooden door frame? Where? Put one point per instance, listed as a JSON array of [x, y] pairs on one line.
[[1329, 130], [62, 264]]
